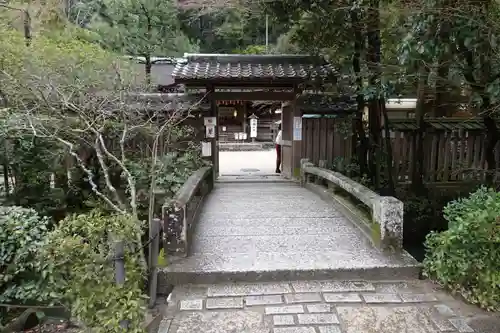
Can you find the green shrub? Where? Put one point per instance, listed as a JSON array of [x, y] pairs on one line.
[[477, 201], [81, 249], [466, 257], [23, 276]]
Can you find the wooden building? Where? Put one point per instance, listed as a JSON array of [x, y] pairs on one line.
[[274, 78], [234, 119]]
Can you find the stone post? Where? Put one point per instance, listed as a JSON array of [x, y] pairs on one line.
[[120, 271], [388, 215], [305, 178], [303, 162]]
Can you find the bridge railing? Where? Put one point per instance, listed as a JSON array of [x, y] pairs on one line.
[[382, 221], [180, 214]]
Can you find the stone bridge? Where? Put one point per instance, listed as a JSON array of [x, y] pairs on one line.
[[263, 254], [274, 230]]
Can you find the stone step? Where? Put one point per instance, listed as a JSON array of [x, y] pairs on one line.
[[271, 267]]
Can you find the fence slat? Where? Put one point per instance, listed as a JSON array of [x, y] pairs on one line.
[[433, 159], [330, 138]]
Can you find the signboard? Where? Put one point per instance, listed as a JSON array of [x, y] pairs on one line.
[[206, 148], [253, 128], [210, 132], [297, 128], [210, 121], [297, 122]]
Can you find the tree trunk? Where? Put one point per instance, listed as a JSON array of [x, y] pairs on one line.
[[442, 103], [360, 98], [491, 141], [148, 66], [417, 180], [391, 186], [374, 114]]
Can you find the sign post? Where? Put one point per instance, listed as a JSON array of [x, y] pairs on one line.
[[253, 126], [206, 146], [297, 128], [210, 132]]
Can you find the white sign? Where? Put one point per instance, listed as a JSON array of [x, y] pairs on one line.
[[210, 132], [297, 122], [240, 136], [210, 121], [253, 128], [297, 128], [223, 128], [206, 148]]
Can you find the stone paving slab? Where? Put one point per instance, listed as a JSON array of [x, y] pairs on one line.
[[400, 307]]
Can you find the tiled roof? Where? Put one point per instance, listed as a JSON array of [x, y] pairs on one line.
[[229, 67]]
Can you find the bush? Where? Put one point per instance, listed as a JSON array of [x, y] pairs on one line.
[[23, 277], [466, 257], [82, 251]]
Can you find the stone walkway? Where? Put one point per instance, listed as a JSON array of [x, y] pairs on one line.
[[253, 232], [247, 162], [322, 307]]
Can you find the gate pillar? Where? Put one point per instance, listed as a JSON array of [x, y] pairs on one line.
[[291, 126]]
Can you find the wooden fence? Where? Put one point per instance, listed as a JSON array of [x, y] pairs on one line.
[[328, 139], [453, 147], [453, 150]]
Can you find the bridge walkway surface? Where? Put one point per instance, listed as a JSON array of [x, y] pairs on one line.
[[271, 256]]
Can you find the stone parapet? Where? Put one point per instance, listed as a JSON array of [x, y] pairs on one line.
[[385, 225]]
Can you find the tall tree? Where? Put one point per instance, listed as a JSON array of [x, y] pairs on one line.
[[229, 26], [144, 28]]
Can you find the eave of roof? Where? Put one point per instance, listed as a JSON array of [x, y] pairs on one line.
[[230, 68]]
